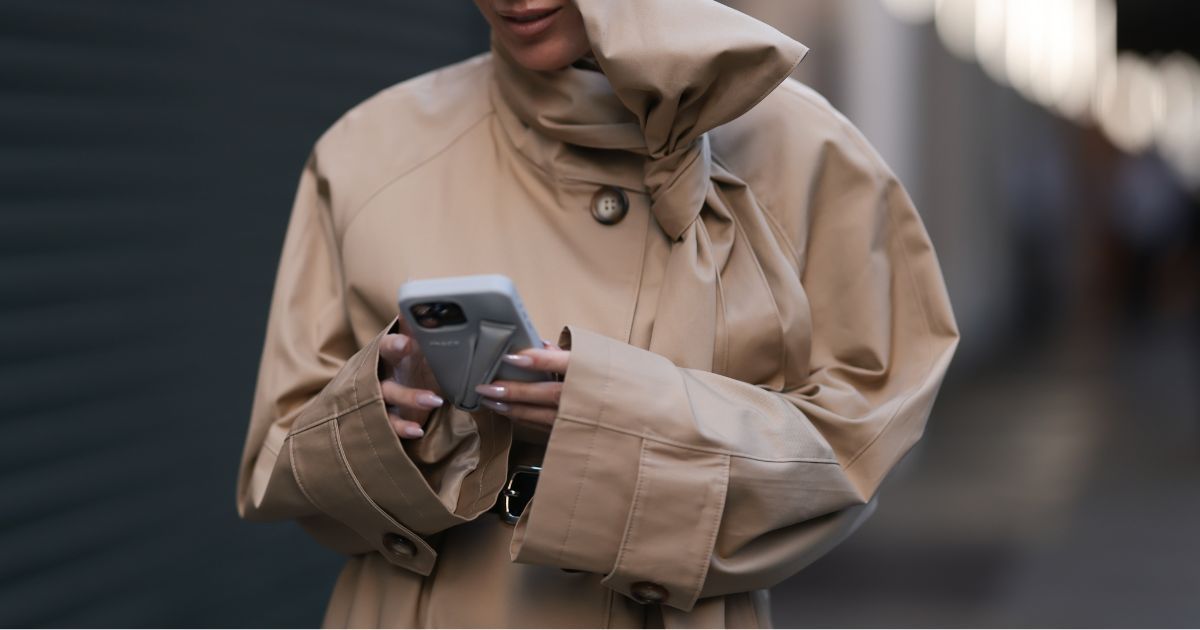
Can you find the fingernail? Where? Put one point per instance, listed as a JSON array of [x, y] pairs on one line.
[[547, 343], [413, 432], [495, 405], [400, 344], [518, 360], [491, 391], [429, 400]]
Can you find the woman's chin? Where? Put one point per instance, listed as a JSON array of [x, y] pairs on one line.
[[553, 54]]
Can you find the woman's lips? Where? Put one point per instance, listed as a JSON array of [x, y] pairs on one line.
[[529, 23]]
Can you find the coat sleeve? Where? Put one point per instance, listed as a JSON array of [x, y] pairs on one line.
[[678, 484], [320, 449]]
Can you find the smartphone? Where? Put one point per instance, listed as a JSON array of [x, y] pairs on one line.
[[464, 324]]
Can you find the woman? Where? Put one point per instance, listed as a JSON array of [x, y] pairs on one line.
[[754, 328]]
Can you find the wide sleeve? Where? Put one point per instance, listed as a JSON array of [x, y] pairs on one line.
[[677, 484], [320, 449]]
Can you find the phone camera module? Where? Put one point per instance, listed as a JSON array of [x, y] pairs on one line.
[[433, 315]]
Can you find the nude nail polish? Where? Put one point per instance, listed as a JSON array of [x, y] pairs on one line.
[[518, 360], [491, 391], [429, 400], [495, 405]]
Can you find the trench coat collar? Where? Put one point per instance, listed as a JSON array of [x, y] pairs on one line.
[[672, 71]]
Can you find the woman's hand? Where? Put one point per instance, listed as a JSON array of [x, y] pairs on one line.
[[410, 393], [536, 403]]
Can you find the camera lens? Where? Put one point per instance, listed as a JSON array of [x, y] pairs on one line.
[[451, 314], [426, 315]]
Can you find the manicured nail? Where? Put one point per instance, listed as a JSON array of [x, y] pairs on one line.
[[400, 344], [518, 360], [413, 432], [495, 405], [491, 391], [547, 343], [429, 400]]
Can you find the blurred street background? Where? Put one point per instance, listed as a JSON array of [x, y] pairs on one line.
[[1056, 162], [148, 157]]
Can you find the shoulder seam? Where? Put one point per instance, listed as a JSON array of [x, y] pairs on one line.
[[352, 215], [879, 168]]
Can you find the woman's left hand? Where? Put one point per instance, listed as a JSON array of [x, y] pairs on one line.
[[536, 403]]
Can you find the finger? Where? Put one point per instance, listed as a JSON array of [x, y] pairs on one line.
[[550, 344], [541, 359], [545, 393], [405, 429], [414, 403], [393, 348], [535, 414], [414, 371]]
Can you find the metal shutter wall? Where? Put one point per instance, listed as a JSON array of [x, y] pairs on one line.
[[148, 157]]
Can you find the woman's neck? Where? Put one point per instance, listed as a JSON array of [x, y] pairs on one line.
[[588, 62]]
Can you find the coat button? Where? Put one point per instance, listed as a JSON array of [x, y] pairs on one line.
[[610, 205], [400, 545], [648, 593]]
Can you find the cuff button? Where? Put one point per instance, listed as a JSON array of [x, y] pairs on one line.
[[399, 545], [648, 593]]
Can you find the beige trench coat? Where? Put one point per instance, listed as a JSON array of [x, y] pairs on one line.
[[754, 344]]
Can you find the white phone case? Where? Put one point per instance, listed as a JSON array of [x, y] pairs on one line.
[[464, 324]]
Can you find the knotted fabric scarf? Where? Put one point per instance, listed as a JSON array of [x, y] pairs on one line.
[[664, 86]]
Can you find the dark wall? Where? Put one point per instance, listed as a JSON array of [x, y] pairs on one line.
[[148, 157]]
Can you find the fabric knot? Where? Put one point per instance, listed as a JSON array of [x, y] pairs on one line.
[[678, 183], [657, 94]]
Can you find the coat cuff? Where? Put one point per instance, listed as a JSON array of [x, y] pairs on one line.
[[615, 496], [349, 463]]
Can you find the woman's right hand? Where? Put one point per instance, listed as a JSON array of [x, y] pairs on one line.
[[410, 391]]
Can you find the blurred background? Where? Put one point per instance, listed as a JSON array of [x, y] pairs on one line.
[[148, 157]]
